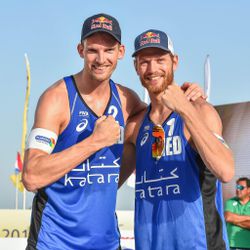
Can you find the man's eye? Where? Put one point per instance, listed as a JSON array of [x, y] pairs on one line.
[[143, 63]]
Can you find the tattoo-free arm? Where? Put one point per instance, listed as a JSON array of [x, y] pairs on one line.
[[202, 123], [128, 162], [238, 220], [40, 168]]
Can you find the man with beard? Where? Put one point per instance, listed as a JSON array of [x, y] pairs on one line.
[[180, 158], [74, 149]]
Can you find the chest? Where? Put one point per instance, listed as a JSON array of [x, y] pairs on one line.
[[97, 104], [242, 209], [173, 142]]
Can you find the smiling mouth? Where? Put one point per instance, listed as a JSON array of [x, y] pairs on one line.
[[154, 78], [99, 67], [150, 78]]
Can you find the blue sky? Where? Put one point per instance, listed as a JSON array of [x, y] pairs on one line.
[[48, 31]]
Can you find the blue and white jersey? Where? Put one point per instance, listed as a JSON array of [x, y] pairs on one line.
[[178, 205], [77, 212]]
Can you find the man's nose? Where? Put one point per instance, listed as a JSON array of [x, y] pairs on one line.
[[100, 58], [152, 67]]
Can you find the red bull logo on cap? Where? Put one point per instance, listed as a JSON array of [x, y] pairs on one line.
[[101, 22], [150, 37]]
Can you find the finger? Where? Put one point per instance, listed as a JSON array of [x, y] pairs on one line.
[[101, 119], [199, 88], [201, 91], [198, 95], [195, 96], [185, 85], [189, 91], [204, 96], [193, 90], [110, 118]]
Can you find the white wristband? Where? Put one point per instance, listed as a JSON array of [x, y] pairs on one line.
[[221, 140], [42, 139]]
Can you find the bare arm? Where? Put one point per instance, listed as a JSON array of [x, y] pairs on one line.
[[129, 150], [128, 162], [238, 220], [42, 169], [202, 125], [202, 121]]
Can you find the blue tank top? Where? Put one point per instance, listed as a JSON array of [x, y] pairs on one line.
[[77, 212], [177, 205]]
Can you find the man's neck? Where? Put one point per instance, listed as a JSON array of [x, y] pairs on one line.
[[90, 86], [244, 201], [159, 112]]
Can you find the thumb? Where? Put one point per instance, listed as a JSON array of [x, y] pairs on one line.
[[101, 119]]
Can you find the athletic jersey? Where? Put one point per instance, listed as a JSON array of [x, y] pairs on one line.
[[77, 212], [178, 201], [239, 237]]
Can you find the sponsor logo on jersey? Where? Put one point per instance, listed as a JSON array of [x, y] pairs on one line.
[[45, 140], [144, 139], [94, 173], [82, 125], [235, 203], [83, 113], [148, 186], [147, 127]]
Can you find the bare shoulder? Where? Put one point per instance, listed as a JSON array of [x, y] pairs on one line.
[[209, 115], [125, 91], [51, 107], [53, 96], [131, 103]]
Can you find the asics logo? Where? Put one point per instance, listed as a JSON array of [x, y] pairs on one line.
[[82, 125], [144, 139]]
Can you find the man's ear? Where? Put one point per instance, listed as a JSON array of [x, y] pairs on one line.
[[80, 49], [135, 64], [175, 62], [121, 51]]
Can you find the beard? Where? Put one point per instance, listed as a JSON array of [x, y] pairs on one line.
[[168, 79]]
